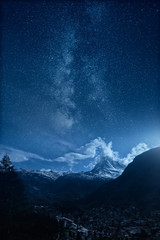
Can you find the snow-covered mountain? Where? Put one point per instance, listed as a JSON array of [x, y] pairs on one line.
[[108, 168], [48, 174], [96, 158], [98, 166], [37, 165], [32, 164]]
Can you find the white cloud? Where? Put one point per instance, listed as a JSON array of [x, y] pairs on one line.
[[87, 151], [140, 148], [100, 145], [19, 155], [97, 149], [94, 151]]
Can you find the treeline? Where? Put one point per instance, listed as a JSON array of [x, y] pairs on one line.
[[18, 219]]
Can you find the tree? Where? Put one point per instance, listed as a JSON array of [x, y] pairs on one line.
[[15, 221], [6, 165], [12, 195]]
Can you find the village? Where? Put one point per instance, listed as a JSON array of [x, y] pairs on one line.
[[113, 224]]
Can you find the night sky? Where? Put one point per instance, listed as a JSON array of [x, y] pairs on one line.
[[73, 71]]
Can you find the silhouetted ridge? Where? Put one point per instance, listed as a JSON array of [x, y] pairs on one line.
[[138, 185]]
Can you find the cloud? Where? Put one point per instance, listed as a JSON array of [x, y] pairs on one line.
[[89, 150], [98, 146], [98, 149], [19, 155], [93, 151], [140, 148]]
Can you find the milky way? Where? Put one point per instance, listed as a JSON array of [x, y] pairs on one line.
[[73, 71]]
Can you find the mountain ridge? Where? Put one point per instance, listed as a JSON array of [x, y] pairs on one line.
[[138, 185], [105, 167]]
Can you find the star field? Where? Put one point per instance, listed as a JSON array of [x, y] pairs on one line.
[[75, 71]]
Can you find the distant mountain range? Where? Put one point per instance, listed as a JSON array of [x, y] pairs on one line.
[[106, 167], [48, 188], [138, 185]]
